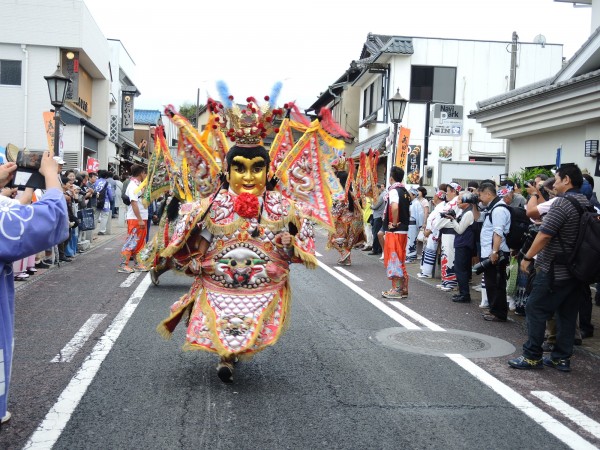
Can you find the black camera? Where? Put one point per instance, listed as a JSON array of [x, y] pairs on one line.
[[480, 267], [470, 197], [450, 214]]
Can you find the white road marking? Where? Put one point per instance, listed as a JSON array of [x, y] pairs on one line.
[[348, 274], [80, 338], [368, 297], [589, 425], [318, 254], [48, 432], [550, 424], [130, 280], [418, 317]]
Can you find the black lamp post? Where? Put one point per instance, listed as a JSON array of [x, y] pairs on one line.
[[57, 87], [396, 106]]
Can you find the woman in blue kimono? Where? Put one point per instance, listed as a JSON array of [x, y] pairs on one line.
[[25, 230]]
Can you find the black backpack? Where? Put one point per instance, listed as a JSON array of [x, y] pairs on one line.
[[582, 262], [124, 196], [102, 197], [519, 226]]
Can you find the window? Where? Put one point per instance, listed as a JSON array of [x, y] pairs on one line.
[[373, 97], [432, 84], [10, 72]]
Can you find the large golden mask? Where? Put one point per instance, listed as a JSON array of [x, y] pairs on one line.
[[248, 175]]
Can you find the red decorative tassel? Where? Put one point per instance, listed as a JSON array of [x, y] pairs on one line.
[[330, 125]]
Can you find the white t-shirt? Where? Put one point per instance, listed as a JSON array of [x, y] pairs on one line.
[[131, 188]]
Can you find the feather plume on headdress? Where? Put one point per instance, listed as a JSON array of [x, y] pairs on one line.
[[226, 97], [275, 91]]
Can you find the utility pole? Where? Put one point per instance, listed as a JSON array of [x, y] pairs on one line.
[[513, 60]]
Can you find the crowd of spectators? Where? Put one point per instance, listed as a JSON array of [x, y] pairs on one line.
[[93, 195], [465, 232]]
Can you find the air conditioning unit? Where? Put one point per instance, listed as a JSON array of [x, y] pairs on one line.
[[428, 176]]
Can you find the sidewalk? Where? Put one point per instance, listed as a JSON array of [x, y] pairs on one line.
[[591, 345], [117, 230]]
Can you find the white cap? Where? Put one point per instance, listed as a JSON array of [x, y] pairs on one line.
[[59, 160]]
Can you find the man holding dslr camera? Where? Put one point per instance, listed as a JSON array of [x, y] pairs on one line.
[[494, 251]]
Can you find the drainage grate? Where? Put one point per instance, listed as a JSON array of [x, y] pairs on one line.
[[439, 343]]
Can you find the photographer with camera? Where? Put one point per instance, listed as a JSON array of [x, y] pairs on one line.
[[447, 232], [25, 230], [555, 289], [494, 252], [464, 243]]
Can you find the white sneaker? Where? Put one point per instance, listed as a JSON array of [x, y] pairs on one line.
[[439, 286], [381, 257], [511, 303], [6, 418], [447, 288], [476, 288], [485, 305], [423, 275]]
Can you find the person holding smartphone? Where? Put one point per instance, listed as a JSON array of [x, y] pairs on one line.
[[25, 230]]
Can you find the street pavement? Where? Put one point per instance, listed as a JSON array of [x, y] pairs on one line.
[[352, 371]]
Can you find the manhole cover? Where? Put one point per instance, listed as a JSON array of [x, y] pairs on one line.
[[440, 343]]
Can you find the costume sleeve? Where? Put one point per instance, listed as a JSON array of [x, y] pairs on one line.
[[29, 229], [304, 244]]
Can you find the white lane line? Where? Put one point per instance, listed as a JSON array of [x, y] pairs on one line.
[[130, 280], [80, 338], [348, 274], [368, 297], [416, 316], [589, 425], [48, 432], [318, 254], [550, 424]]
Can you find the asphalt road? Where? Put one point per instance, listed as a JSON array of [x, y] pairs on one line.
[[332, 381]]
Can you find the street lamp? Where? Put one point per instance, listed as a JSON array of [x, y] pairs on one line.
[[57, 87], [396, 106]]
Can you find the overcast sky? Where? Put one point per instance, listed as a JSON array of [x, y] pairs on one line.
[[180, 46]]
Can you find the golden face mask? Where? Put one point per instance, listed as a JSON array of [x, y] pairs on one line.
[[247, 175]]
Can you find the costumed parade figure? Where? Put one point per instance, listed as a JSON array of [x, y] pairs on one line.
[[239, 239], [348, 216]]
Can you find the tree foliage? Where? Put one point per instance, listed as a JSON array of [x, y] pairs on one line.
[[188, 110]]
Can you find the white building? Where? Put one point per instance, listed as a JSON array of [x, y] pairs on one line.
[[562, 111], [36, 36], [428, 71]]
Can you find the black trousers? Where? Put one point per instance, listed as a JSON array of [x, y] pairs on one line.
[[462, 267], [495, 287], [545, 301], [376, 226]]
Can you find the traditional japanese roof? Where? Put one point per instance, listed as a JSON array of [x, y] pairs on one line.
[[146, 116]]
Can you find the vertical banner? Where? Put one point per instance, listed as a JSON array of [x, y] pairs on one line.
[[413, 170], [127, 111], [49, 127], [402, 151], [558, 152], [92, 165]]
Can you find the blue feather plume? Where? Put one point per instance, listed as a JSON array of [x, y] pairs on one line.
[[275, 91], [224, 93]]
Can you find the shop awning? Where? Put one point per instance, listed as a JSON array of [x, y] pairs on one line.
[[375, 142]]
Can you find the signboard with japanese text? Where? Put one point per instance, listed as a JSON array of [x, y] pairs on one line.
[[49, 127], [402, 151], [127, 111], [447, 120], [413, 168]]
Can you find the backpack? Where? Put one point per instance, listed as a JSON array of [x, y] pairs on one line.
[[102, 197], [582, 262], [519, 226], [124, 196]]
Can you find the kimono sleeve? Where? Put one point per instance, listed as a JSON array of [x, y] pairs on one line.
[[28, 229]]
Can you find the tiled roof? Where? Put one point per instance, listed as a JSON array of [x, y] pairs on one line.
[[146, 116]]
